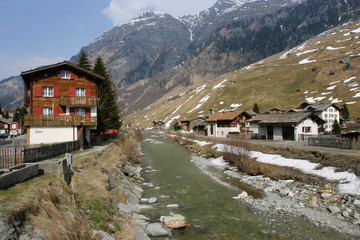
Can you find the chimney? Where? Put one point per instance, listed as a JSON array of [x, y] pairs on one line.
[[213, 111]]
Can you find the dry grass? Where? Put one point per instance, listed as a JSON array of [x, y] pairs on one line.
[[70, 212]]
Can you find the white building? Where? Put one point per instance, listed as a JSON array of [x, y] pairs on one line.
[[285, 126]]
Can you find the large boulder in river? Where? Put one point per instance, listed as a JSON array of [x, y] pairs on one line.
[[129, 170], [157, 230], [176, 221]]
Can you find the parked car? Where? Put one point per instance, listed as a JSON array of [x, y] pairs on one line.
[[3, 136]]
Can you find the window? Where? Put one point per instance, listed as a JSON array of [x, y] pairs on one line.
[[331, 110], [47, 91], [325, 115], [47, 111], [306, 129], [331, 121], [331, 115], [335, 115], [80, 92], [65, 74], [80, 112]]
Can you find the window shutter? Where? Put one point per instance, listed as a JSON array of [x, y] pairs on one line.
[[56, 111], [58, 74], [88, 92], [56, 91], [38, 111], [72, 92], [72, 76], [72, 111], [88, 112], [38, 91]]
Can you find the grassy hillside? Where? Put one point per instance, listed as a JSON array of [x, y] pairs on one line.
[[284, 80]]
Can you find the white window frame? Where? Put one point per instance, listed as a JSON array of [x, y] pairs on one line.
[[48, 91], [80, 112], [80, 92], [47, 111], [65, 74]]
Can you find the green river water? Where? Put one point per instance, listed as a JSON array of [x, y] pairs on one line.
[[205, 199]]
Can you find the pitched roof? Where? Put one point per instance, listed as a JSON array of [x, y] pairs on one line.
[[229, 115], [26, 75], [289, 117], [318, 107], [4, 120]]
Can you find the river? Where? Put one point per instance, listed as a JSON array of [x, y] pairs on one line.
[[204, 196]]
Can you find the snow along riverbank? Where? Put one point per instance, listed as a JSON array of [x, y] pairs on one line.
[[336, 205]]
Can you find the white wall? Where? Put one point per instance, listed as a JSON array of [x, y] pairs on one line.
[[224, 131], [329, 115], [306, 123], [45, 135]]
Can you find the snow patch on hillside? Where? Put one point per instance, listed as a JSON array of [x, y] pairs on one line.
[[220, 84]]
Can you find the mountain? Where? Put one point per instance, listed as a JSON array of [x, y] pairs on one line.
[[239, 43], [136, 52], [11, 92], [324, 68]]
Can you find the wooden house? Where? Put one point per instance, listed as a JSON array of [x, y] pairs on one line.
[[62, 99], [220, 124]]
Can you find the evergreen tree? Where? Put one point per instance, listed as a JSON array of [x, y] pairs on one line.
[[336, 127], [256, 108], [83, 60], [345, 112], [19, 115], [108, 112], [6, 115]]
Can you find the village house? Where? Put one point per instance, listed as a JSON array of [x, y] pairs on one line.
[[184, 125], [62, 100], [4, 125], [286, 126], [221, 124], [158, 124], [328, 112]]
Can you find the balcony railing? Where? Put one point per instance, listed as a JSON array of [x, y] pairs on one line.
[[59, 120], [78, 101]]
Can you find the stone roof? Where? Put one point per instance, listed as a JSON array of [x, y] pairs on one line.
[[4, 120], [290, 117], [228, 115]]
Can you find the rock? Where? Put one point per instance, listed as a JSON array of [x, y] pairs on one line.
[[97, 234], [140, 233], [356, 202], [345, 60], [326, 195], [124, 208], [312, 203], [356, 215], [348, 66], [136, 208], [333, 209], [172, 206], [291, 194], [114, 204], [157, 230], [144, 200], [345, 214], [129, 170], [333, 71], [152, 200], [6, 232], [25, 237], [104, 171], [242, 195], [283, 192], [131, 197], [157, 188], [356, 222], [140, 217], [176, 221]]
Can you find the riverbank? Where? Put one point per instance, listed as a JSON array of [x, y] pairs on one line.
[[317, 199], [99, 203]]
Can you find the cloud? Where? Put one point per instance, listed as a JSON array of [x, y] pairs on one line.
[[10, 66], [122, 11]]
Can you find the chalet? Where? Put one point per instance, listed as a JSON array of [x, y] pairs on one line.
[[328, 112], [285, 126], [221, 124], [275, 110], [158, 124], [62, 99], [4, 125], [184, 125]]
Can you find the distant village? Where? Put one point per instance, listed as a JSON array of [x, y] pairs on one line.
[[309, 119]]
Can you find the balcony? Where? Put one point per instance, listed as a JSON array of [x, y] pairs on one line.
[[59, 120], [78, 101]]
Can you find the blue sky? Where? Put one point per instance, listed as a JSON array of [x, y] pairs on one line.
[[41, 32]]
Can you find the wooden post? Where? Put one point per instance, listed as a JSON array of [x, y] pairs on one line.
[[354, 148]]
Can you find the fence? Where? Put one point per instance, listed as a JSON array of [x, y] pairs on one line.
[[12, 156], [342, 143]]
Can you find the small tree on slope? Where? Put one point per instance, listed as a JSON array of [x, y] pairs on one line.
[[83, 60]]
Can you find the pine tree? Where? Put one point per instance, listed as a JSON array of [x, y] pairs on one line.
[[345, 112], [336, 127], [256, 108], [83, 60], [108, 112]]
